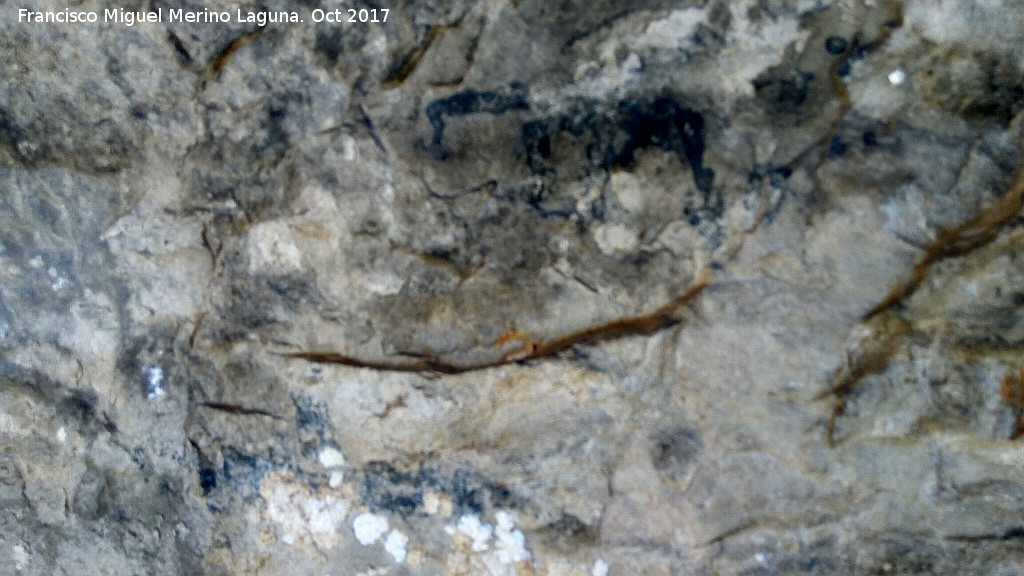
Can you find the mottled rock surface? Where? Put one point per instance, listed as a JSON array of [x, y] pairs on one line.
[[514, 287]]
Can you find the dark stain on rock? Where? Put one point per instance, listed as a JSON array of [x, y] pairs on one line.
[[1002, 101], [836, 45], [837, 147], [391, 488], [673, 451], [570, 533], [207, 480], [385, 487], [245, 471], [311, 421], [783, 92]]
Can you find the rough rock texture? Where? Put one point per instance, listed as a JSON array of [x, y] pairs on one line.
[[514, 287]]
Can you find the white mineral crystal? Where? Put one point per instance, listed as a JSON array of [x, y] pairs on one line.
[[396, 545], [154, 383], [897, 77], [369, 527]]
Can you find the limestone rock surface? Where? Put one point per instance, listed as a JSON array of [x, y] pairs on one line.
[[513, 287]]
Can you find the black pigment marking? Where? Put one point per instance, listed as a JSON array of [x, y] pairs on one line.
[[179, 47], [472, 102], [246, 471], [584, 141], [388, 487], [207, 480], [779, 175], [776, 177], [665, 124], [612, 137], [536, 139], [310, 417]]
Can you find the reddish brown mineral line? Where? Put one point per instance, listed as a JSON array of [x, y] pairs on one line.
[[958, 241], [890, 327], [955, 241], [660, 318]]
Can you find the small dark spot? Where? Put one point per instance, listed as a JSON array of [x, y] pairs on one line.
[[835, 44], [869, 138], [537, 142], [466, 491], [330, 44], [837, 147], [81, 404], [500, 492], [179, 47], [716, 265], [779, 176], [310, 416], [569, 533], [245, 471], [674, 450], [1018, 299], [207, 480], [1013, 533], [783, 92], [844, 70]]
